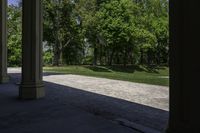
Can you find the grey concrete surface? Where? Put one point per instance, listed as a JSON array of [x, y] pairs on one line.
[[49, 115], [103, 105], [150, 95]]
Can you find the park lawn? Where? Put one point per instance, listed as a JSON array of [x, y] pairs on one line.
[[139, 74]]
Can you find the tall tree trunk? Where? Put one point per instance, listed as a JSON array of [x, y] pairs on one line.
[[56, 57], [131, 58], [61, 54], [141, 56], [95, 56], [57, 52], [101, 54], [118, 58], [111, 57], [149, 57], [158, 58], [57, 48], [125, 57]]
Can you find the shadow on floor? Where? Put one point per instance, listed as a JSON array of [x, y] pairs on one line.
[[66, 109]]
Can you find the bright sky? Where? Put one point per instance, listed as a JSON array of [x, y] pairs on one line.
[[14, 2]]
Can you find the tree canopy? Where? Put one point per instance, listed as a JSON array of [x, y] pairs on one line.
[[98, 32]]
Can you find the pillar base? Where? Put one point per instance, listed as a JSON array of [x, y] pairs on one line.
[[31, 91], [4, 79]]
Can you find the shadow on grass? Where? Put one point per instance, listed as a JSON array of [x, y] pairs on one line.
[[98, 68], [127, 69]]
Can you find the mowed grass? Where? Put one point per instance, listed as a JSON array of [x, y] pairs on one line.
[[139, 74]]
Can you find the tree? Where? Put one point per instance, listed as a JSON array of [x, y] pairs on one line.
[[155, 20], [61, 29], [118, 26], [86, 10], [14, 35], [98, 32]]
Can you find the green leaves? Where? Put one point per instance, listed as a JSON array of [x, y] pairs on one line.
[[14, 36], [107, 31], [117, 22]]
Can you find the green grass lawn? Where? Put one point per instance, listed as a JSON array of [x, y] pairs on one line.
[[155, 76]]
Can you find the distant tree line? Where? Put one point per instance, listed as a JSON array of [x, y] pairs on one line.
[[98, 32]]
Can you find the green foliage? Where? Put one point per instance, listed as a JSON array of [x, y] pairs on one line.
[[155, 19], [62, 32], [113, 31], [14, 36], [127, 26], [116, 22], [47, 58]]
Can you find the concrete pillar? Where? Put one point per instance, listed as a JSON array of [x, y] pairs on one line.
[[184, 67], [32, 86], [3, 42]]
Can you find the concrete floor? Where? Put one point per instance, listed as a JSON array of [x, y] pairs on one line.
[[145, 94], [72, 110], [49, 116]]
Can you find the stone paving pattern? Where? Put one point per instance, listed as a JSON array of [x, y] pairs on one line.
[[150, 95]]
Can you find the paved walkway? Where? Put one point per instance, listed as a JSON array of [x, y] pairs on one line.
[[129, 106], [150, 95]]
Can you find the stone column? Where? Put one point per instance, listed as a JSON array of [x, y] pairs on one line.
[[3, 42], [184, 67], [32, 86]]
